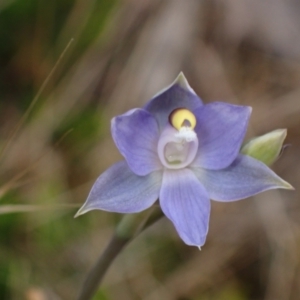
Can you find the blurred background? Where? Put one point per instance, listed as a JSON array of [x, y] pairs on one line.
[[69, 66]]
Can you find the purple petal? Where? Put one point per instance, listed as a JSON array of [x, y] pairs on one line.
[[185, 202], [120, 190], [245, 177], [181, 81], [178, 94], [136, 135], [221, 128]]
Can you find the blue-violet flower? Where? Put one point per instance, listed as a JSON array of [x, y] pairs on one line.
[[183, 153]]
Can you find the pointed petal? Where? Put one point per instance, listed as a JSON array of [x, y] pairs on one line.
[[120, 190], [245, 177], [136, 135], [178, 94], [221, 128], [182, 81], [185, 202]]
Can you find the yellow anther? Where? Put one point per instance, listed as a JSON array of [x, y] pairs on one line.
[[182, 117]]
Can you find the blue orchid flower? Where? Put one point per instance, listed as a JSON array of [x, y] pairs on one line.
[[184, 153]]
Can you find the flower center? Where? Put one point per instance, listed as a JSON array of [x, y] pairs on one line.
[[182, 117], [178, 144]]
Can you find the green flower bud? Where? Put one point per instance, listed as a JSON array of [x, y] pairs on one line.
[[267, 147]]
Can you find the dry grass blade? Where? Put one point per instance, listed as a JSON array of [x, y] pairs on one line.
[[12, 183], [22, 208], [31, 106]]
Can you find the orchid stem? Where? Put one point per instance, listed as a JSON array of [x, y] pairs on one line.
[[97, 273], [129, 227]]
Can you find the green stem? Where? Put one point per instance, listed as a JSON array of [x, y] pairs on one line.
[[129, 227], [97, 273]]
